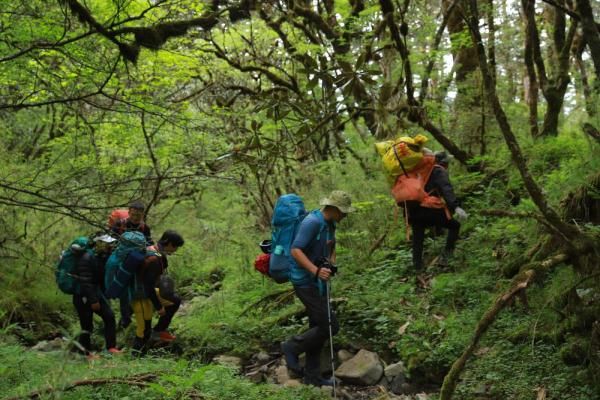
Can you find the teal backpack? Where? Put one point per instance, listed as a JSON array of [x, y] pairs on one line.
[[113, 268], [66, 279], [289, 211]]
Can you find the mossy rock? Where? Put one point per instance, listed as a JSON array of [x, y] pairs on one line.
[[575, 351]]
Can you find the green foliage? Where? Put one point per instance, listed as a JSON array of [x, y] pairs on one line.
[[30, 371], [212, 127]]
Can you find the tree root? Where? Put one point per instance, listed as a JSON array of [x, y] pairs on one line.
[[377, 244], [521, 282], [136, 380]]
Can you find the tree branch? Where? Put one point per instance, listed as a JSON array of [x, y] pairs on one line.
[[136, 380], [519, 285]]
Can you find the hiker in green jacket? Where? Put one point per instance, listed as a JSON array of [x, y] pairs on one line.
[[89, 301]]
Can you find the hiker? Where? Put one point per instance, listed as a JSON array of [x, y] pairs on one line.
[[146, 297], [90, 272], [420, 217], [313, 249], [133, 222]]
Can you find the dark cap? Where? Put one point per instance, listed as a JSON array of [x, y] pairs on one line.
[[442, 158], [137, 205]]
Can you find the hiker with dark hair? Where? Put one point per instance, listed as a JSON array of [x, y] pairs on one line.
[[420, 217], [313, 249], [153, 291], [90, 272], [133, 222]]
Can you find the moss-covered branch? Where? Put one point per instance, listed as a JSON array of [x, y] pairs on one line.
[[520, 284]]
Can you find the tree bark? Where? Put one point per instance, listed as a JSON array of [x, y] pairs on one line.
[[566, 231], [468, 100], [591, 34], [555, 86], [531, 88]]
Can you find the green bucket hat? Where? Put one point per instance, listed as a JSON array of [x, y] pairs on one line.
[[339, 199]]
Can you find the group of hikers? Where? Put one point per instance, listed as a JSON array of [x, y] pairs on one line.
[[302, 247], [149, 289]]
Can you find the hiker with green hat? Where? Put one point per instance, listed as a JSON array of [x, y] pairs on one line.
[[313, 250]]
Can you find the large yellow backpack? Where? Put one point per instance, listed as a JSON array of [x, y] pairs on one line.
[[401, 155]]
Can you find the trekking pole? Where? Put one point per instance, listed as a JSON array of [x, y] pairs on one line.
[[330, 335]]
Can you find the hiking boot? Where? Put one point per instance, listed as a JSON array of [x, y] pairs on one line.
[[443, 260], [318, 382], [115, 351], [291, 360], [139, 347], [163, 336]]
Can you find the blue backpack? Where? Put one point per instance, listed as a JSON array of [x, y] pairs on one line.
[[65, 276], [288, 214], [116, 277]]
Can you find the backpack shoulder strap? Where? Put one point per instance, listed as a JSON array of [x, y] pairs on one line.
[[323, 224]]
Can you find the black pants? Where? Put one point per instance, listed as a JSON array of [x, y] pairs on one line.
[[126, 311], [164, 321], [311, 342], [429, 217], [86, 321]]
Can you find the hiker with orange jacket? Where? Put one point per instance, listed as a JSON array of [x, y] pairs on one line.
[[134, 221], [420, 217]]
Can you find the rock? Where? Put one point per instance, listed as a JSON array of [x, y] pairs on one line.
[[281, 375], [262, 357], [394, 370], [292, 383], [344, 355], [422, 396], [229, 361], [364, 369], [49, 345], [255, 376], [399, 385], [327, 390]]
